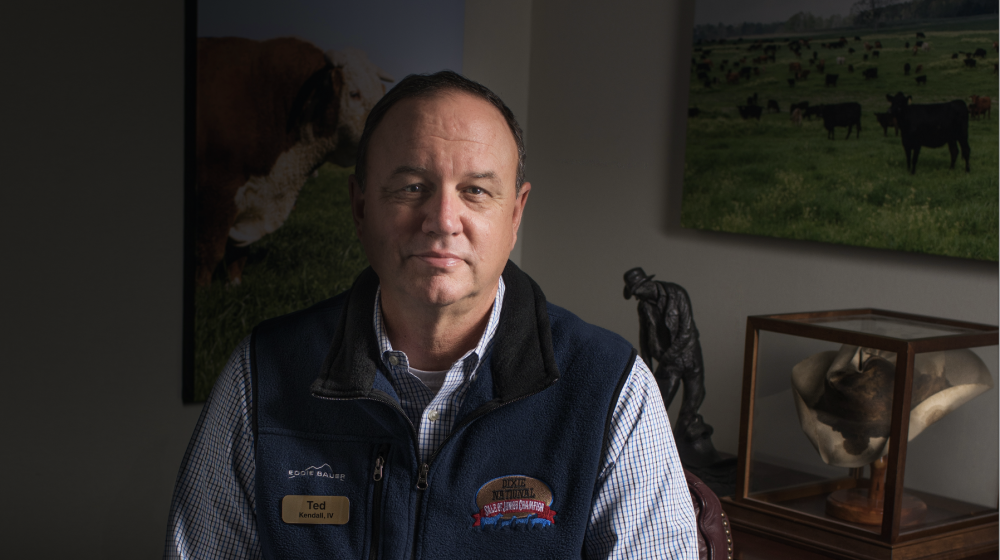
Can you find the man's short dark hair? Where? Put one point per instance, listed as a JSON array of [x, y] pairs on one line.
[[427, 85]]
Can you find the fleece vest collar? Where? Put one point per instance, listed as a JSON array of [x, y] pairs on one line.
[[522, 362]]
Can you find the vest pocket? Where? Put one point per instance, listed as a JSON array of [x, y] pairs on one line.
[[302, 464], [378, 477]]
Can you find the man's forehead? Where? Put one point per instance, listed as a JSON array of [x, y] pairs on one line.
[[448, 115], [405, 169], [445, 122]]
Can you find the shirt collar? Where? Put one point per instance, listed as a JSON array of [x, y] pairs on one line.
[[385, 346], [522, 358]]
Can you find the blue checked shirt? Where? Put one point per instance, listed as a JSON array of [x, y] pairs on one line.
[[642, 509], [433, 415]]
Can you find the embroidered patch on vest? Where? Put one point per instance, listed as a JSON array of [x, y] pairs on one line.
[[514, 500]]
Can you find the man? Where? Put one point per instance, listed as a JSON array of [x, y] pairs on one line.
[[440, 408]]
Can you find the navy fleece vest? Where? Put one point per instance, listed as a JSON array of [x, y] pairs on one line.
[[529, 435]]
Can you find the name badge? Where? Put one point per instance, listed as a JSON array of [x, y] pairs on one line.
[[315, 510]]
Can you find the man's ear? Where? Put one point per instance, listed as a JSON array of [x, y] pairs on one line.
[[519, 203], [357, 203]]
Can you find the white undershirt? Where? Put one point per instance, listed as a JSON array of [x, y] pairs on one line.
[[432, 379]]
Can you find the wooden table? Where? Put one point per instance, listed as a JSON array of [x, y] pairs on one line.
[[747, 546]]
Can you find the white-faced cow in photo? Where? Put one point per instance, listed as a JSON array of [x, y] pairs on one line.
[[268, 114]]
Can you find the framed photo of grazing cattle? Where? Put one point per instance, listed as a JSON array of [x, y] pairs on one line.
[[864, 123], [277, 96]]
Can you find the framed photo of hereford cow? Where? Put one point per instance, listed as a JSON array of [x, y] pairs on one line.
[[276, 98], [855, 122]]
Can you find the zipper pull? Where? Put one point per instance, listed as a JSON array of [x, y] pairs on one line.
[[422, 477], [378, 468]]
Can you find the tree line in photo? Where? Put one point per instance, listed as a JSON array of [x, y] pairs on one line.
[[863, 13]]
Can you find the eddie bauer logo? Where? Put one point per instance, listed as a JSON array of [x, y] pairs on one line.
[[322, 471], [514, 500]]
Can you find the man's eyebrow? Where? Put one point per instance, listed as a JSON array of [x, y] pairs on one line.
[[482, 175], [408, 170], [412, 170]]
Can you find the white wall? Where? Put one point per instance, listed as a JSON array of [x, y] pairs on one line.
[[608, 92], [91, 274]]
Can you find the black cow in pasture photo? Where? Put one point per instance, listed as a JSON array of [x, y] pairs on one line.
[[886, 120], [870, 73], [750, 111], [932, 125], [815, 110], [842, 114], [831, 79]]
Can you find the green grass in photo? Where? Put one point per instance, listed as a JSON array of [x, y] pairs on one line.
[[314, 256], [775, 178]]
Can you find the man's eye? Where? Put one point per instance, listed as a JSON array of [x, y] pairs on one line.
[[475, 190], [413, 188]]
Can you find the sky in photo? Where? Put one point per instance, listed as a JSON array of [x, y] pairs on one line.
[[398, 36]]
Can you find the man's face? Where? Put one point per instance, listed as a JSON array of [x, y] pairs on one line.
[[439, 215]]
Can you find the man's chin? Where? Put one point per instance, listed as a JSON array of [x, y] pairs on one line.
[[441, 296], [443, 290]]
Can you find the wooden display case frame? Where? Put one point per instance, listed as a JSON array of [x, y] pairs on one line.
[[761, 514]]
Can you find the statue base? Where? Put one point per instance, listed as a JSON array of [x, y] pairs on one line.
[[865, 505], [693, 438], [854, 505]]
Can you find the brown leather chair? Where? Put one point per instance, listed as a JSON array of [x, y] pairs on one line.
[[715, 540]]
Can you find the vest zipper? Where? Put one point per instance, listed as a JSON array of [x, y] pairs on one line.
[[426, 467], [377, 476], [421, 486], [422, 476]]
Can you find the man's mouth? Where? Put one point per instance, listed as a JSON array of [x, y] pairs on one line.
[[439, 259]]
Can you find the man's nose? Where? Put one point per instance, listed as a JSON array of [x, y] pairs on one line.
[[444, 213]]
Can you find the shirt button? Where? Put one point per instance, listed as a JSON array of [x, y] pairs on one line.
[[393, 360], [433, 415]]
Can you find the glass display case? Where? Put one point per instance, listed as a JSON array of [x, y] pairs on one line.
[[867, 433]]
